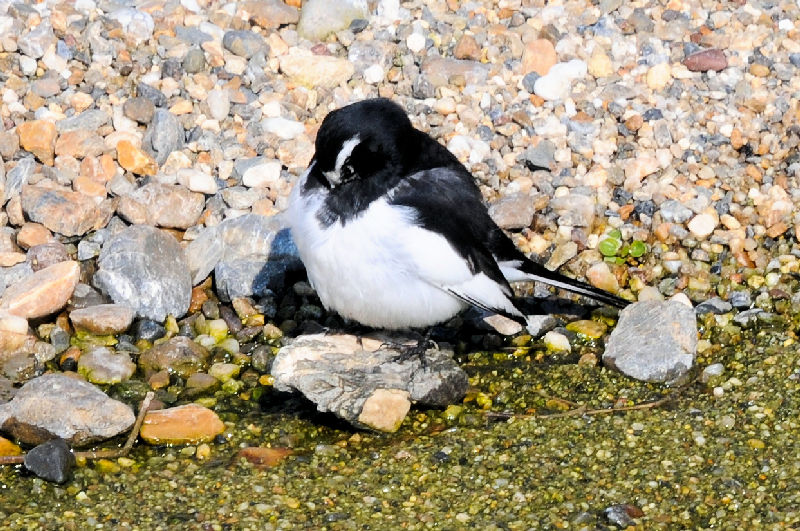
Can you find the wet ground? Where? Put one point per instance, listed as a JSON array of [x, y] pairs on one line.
[[531, 447]]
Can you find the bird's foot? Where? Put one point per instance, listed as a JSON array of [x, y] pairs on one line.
[[406, 352]]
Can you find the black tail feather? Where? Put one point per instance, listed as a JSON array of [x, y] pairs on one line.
[[553, 278]]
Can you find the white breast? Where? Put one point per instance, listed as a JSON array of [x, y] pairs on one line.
[[383, 270]]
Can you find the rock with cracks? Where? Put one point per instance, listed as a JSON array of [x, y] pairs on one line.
[[371, 384], [654, 341]]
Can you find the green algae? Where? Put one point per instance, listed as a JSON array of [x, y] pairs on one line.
[[720, 455]]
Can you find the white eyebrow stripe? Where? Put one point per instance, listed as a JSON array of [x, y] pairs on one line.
[[347, 149]]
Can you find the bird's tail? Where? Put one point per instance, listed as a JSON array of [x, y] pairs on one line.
[[529, 270]]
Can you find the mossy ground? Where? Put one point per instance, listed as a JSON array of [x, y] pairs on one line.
[[722, 454]]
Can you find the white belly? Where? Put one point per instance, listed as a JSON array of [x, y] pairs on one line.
[[369, 269]]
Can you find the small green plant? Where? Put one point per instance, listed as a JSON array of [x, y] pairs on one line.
[[616, 251]]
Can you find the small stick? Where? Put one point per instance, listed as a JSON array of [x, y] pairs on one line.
[[100, 454], [582, 410]]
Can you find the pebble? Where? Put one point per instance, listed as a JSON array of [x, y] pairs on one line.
[[187, 424], [702, 225], [539, 56], [101, 365], [103, 318], [70, 408], [219, 104], [51, 461], [178, 355], [145, 269], [653, 341], [44, 292], [659, 76], [243, 43], [39, 138], [162, 205], [557, 84], [320, 18], [321, 71], [283, 128], [706, 60], [134, 159], [197, 181], [139, 109]]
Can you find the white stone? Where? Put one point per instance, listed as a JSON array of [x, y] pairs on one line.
[[415, 42], [374, 74], [557, 83], [27, 65], [264, 175], [283, 128], [556, 341], [702, 225], [219, 104], [468, 148], [197, 181]]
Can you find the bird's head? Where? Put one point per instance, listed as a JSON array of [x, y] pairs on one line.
[[364, 140]]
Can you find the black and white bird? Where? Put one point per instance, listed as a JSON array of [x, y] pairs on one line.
[[393, 230]]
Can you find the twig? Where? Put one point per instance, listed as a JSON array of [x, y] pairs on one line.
[[583, 410], [100, 454]]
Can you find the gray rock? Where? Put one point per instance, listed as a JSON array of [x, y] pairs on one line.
[[574, 210], [145, 269], [70, 408], [51, 461], [35, 42], [12, 275], [64, 211], [748, 318], [151, 93], [320, 18], [513, 212], [247, 255], [194, 61], [715, 305], [18, 177], [163, 136], [542, 155], [163, 205], [139, 109], [741, 299], [101, 365], [243, 43], [674, 212], [88, 120], [179, 355], [368, 384], [654, 341]]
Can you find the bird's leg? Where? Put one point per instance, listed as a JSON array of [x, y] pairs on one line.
[[418, 350]]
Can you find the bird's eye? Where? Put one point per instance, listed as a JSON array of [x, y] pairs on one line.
[[347, 172]]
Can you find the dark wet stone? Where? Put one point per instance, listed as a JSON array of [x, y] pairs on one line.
[[261, 358], [52, 461], [139, 109], [148, 330], [179, 355], [25, 433], [157, 97], [145, 269], [230, 318], [741, 299], [716, 306], [654, 341]]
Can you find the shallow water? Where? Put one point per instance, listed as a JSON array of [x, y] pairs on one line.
[[723, 459]]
